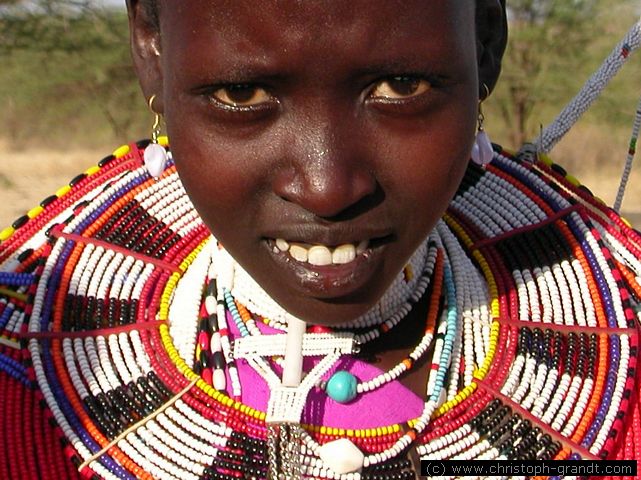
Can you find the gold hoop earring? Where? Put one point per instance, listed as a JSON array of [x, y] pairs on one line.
[[485, 94], [482, 150], [155, 155]]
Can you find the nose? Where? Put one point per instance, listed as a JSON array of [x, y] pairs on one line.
[[327, 172]]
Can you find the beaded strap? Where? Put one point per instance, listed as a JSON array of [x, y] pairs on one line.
[[551, 134], [590, 91], [627, 168]]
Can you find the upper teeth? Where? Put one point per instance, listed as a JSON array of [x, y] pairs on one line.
[[320, 254]]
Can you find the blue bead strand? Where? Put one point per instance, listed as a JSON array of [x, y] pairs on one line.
[[17, 279], [231, 306], [450, 333]]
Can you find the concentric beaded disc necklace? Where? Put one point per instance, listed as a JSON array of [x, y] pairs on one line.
[[125, 333]]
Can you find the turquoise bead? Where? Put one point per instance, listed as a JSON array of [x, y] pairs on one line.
[[341, 387]]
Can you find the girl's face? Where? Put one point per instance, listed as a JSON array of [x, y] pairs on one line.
[[345, 125]]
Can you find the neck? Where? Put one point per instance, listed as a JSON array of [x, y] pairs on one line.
[[388, 350], [246, 290], [397, 332]]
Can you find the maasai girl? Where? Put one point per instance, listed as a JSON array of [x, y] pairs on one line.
[[315, 281]]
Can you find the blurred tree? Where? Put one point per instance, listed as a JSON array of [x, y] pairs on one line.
[[554, 46], [66, 69]]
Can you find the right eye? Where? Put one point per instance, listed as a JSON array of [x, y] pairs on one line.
[[400, 88], [241, 95]]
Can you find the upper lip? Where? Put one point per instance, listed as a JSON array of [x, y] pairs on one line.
[[327, 234]]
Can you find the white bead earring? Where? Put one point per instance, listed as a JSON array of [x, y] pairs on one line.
[[482, 151], [155, 155]]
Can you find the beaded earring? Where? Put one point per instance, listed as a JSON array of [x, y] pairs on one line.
[[482, 151], [155, 155]]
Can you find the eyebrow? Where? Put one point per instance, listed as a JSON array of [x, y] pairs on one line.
[[261, 70], [248, 70], [409, 64], [391, 67]]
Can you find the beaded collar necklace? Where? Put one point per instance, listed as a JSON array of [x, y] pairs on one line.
[[226, 283], [536, 344], [286, 404]]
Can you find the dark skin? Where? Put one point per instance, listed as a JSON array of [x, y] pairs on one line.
[[322, 122]]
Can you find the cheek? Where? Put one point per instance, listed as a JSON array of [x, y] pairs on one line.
[[222, 178], [427, 194], [220, 195], [429, 165]]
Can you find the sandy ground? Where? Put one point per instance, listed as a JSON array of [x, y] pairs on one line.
[[26, 177]]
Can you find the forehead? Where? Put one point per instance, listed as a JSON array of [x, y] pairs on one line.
[[228, 15], [356, 28]]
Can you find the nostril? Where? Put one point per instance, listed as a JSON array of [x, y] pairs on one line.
[[330, 197], [325, 192], [287, 185], [365, 203], [363, 184]]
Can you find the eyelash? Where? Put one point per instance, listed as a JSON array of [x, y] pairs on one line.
[[212, 98], [389, 91], [226, 88]]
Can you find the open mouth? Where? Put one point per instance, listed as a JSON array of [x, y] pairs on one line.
[[328, 271], [324, 255], [321, 255]]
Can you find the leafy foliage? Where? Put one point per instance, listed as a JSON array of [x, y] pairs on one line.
[[67, 74], [554, 47]]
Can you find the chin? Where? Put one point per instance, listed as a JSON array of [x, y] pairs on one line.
[[335, 310]]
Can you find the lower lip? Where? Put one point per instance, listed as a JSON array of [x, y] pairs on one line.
[[329, 281]]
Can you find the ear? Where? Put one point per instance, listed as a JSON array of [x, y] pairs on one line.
[[144, 33], [491, 38]]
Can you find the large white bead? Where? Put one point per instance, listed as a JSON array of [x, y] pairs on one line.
[[476, 154], [342, 456], [210, 304], [485, 147], [482, 151], [219, 379], [155, 158]]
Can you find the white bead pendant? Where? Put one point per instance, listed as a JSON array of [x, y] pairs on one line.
[[482, 151], [155, 157], [342, 456]]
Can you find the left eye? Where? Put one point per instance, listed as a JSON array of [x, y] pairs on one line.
[[242, 95], [400, 87]]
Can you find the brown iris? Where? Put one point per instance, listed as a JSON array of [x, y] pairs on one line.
[[242, 95], [400, 87]]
